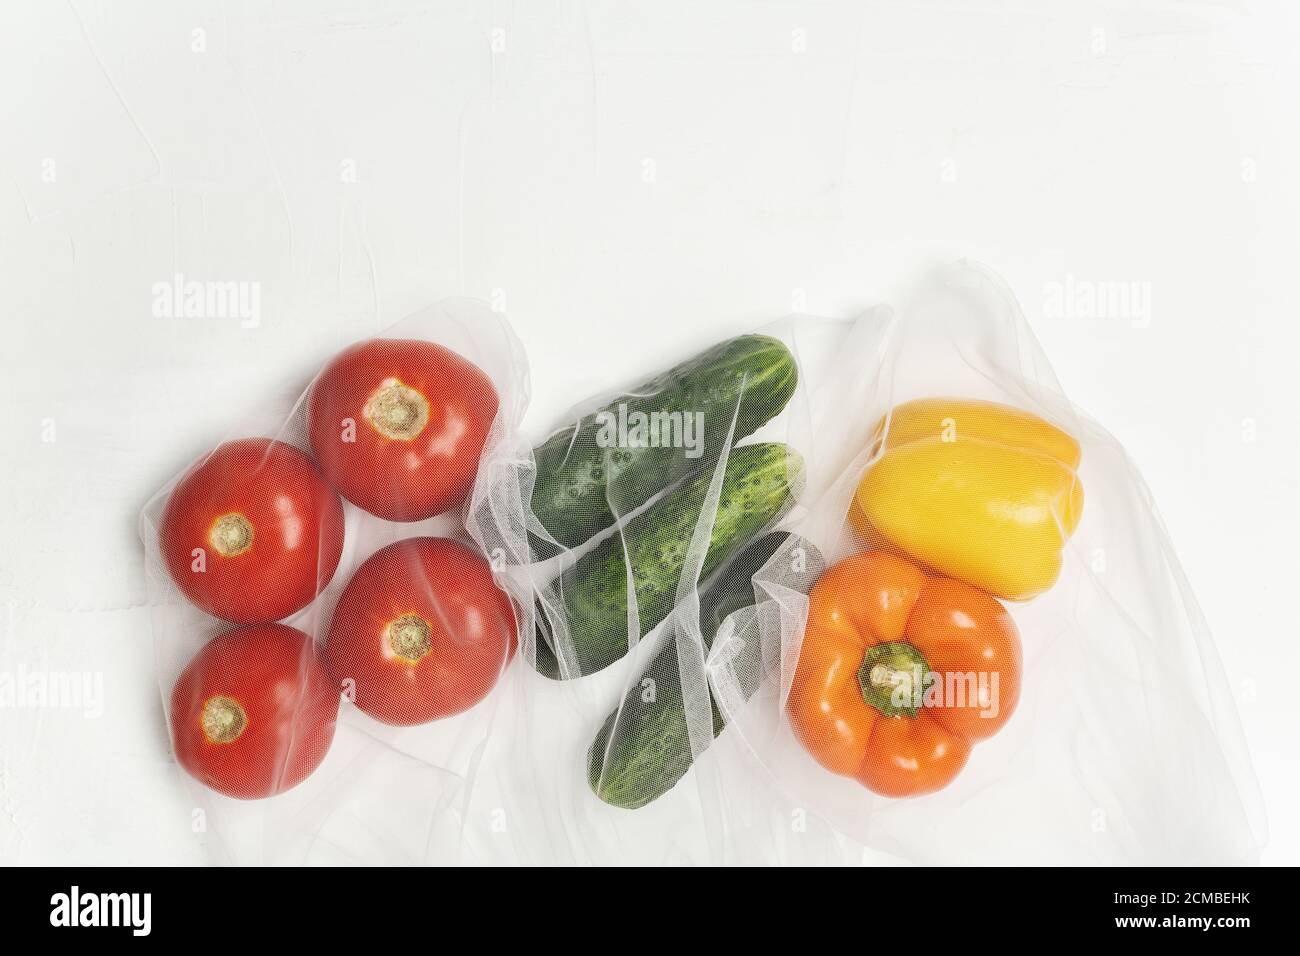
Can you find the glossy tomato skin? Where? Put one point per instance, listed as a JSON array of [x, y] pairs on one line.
[[253, 714], [422, 632], [398, 426], [252, 532]]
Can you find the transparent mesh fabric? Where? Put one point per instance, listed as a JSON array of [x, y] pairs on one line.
[[661, 592], [346, 787], [672, 743]]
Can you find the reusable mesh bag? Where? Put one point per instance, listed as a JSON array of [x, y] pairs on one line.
[[653, 526], [286, 774], [664, 603], [668, 551]]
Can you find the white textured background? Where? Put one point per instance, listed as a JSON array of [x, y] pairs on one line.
[[627, 181]]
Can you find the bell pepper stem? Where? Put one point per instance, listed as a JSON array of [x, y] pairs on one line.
[[892, 677]]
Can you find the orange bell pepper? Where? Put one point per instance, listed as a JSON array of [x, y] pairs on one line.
[[900, 673], [981, 492]]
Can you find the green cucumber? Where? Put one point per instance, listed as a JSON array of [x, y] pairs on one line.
[[584, 616], [644, 746], [615, 459]]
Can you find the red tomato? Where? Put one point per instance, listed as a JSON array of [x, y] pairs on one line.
[[252, 532], [421, 630], [253, 714], [398, 426]]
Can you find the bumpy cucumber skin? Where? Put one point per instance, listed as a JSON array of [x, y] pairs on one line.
[[756, 490], [650, 750], [577, 478]]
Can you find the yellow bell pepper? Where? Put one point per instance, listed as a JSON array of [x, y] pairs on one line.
[[981, 492]]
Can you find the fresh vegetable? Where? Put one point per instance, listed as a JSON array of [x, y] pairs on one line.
[[900, 673], [420, 632], [398, 426], [253, 714], [756, 489], [619, 457], [644, 746], [252, 532], [982, 492]]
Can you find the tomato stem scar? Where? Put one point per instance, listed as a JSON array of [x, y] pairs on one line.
[[223, 719], [396, 410], [231, 534], [410, 637]]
